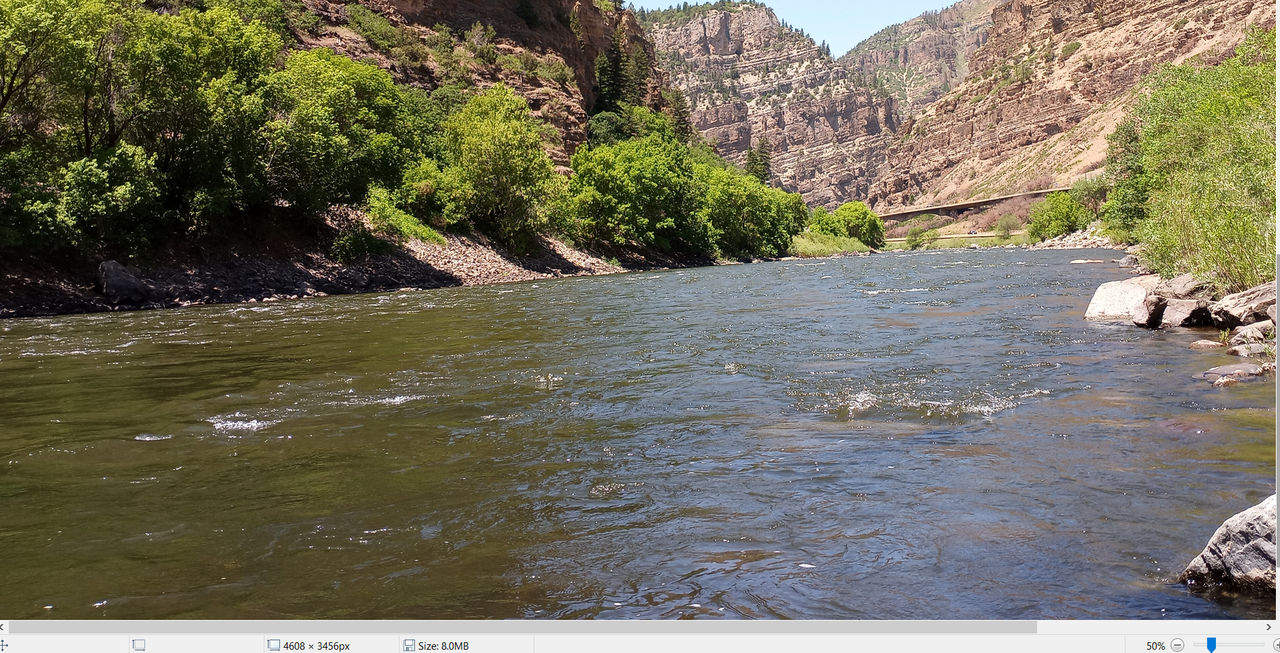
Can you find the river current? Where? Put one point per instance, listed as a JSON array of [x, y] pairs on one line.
[[902, 436]]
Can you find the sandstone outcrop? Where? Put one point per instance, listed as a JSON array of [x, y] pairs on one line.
[[1186, 313], [1241, 555], [748, 77]]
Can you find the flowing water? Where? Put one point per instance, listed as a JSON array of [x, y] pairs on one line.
[[930, 435]]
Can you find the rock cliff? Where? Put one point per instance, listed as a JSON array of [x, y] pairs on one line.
[[747, 76], [922, 59], [1052, 80]]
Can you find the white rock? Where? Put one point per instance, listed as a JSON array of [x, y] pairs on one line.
[[1115, 301]]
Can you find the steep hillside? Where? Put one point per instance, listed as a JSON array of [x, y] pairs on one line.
[[747, 77], [545, 51], [922, 59], [1054, 77]]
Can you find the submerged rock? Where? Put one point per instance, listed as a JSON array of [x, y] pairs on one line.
[[1241, 555], [120, 286], [1252, 305], [1114, 301], [1207, 344], [1186, 313], [1238, 370]]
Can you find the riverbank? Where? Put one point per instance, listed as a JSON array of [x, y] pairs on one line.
[[282, 269]]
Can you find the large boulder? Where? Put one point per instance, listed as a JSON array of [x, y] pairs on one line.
[[1186, 313], [1185, 287], [1149, 312], [1244, 307], [120, 286], [1115, 301], [1241, 555]]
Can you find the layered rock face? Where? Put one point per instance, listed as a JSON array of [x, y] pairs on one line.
[[920, 60], [1052, 80], [748, 77]]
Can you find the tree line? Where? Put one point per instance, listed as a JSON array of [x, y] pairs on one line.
[[125, 130]]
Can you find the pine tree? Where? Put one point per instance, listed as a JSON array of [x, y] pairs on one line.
[[760, 161], [678, 110]]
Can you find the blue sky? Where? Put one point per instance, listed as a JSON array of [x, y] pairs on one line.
[[841, 23]]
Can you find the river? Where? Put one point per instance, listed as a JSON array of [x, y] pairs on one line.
[[916, 435]]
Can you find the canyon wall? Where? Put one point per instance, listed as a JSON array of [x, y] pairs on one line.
[[749, 77], [922, 59], [1053, 79]]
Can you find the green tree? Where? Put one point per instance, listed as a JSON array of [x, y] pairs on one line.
[[498, 173], [1091, 194], [331, 134], [622, 74], [851, 220], [105, 203], [638, 191], [1056, 215], [749, 219], [861, 223], [1194, 168]]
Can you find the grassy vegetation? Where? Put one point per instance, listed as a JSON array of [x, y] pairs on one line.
[[812, 244]]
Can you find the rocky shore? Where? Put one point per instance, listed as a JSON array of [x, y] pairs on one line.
[[284, 272], [1241, 556]]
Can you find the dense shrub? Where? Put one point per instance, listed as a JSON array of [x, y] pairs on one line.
[[641, 191], [1007, 224], [851, 220], [749, 218], [1056, 215]]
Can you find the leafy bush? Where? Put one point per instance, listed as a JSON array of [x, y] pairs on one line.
[[1194, 168], [749, 219], [1056, 215], [110, 201], [1068, 50], [851, 220], [1091, 194], [1007, 224], [335, 133], [355, 242], [374, 27], [639, 191], [919, 237]]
